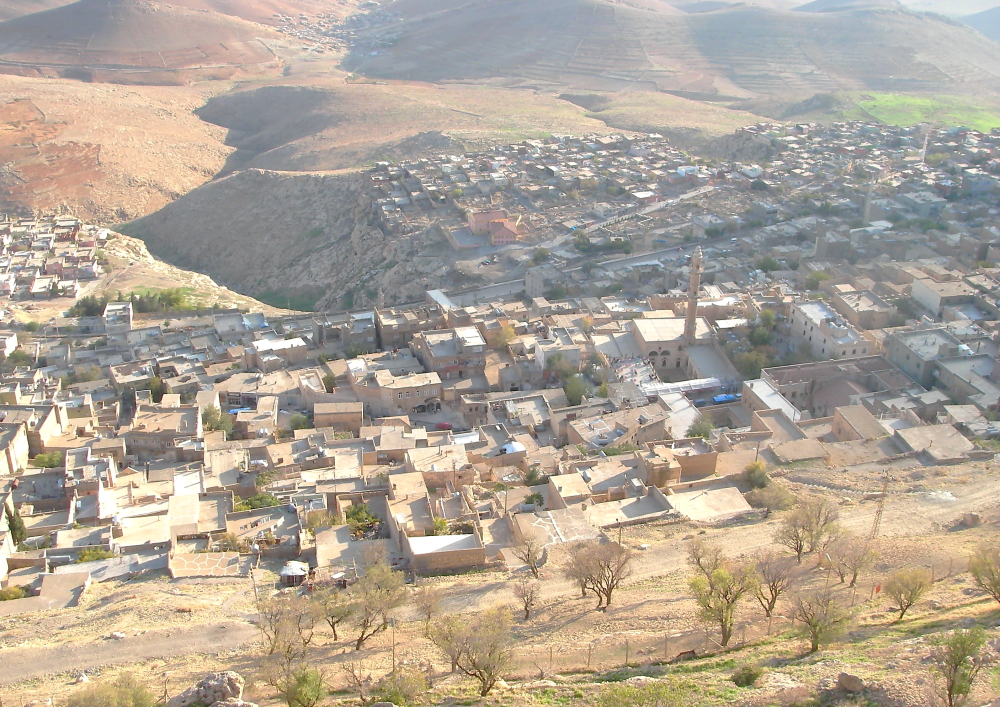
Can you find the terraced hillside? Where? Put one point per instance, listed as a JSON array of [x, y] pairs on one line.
[[126, 39], [740, 50]]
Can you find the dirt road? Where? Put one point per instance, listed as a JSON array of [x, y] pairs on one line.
[[75, 657]]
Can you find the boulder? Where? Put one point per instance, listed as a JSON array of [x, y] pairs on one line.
[[217, 687], [972, 520], [850, 683], [233, 702]]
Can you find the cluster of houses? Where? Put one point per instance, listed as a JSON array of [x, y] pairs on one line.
[[202, 442], [48, 257]]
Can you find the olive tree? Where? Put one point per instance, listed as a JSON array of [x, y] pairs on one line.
[[906, 586], [984, 566], [376, 595]]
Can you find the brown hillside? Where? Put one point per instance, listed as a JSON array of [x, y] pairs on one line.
[[10, 9], [129, 36], [742, 50]]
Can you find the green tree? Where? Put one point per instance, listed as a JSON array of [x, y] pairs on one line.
[[501, 337], [402, 687], [984, 566], [767, 264], [958, 659], [48, 460], [750, 363], [814, 279], [15, 523], [19, 358], [379, 592], [300, 422], [126, 691], [258, 500], [756, 473], [760, 336], [767, 318], [718, 592], [906, 586], [575, 388], [702, 427], [330, 382], [213, 419], [821, 616], [540, 256]]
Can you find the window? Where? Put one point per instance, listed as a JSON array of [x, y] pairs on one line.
[[400, 396], [407, 393], [678, 364], [853, 351]]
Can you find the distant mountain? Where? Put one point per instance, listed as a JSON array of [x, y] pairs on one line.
[[842, 5], [987, 22], [741, 51], [10, 9], [123, 37]]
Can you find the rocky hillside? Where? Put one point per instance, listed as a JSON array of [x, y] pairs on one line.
[[290, 239], [741, 50]]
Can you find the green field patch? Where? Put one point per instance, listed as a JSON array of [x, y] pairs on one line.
[[906, 109]]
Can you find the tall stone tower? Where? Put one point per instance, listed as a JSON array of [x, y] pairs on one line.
[[694, 285]]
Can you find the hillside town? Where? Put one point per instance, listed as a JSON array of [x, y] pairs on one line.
[[677, 322]]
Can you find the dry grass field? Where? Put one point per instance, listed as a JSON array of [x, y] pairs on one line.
[[566, 641]]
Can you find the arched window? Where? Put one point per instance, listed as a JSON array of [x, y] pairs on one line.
[[666, 353], [653, 354]]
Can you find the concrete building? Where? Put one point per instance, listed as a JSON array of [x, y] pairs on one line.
[[935, 296], [864, 309], [347, 417], [396, 327], [454, 353], [827, 335], [917, 352]]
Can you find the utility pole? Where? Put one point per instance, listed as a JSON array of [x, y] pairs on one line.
[[877, 522]]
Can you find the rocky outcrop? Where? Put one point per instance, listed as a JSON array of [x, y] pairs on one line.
[[218, 690], [850, 683]]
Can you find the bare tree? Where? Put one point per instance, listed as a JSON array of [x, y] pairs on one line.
[[449, 633], [793, 532], [335, 607], [526, 591], [610, 565], [428, 600], [906, 586], [376, 595], [718, 594], [851, 556], [773, 579], [288, 625], [984, 566], [704, 556], [578, 567], [822, 515], [822, 617], [530, 551], [481, 648], [359, 680]]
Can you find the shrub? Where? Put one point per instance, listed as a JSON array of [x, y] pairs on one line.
[[92, 554], [747, 675], [660, 694], [126, 691], [401, 688], [757, 475], [14, 593], [304, 687], [259, 500]]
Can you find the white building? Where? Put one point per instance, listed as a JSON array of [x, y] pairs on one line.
[[827, 334]]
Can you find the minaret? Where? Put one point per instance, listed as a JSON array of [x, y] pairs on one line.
[[694, 285]]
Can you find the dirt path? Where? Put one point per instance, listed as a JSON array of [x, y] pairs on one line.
[[18, 665]]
